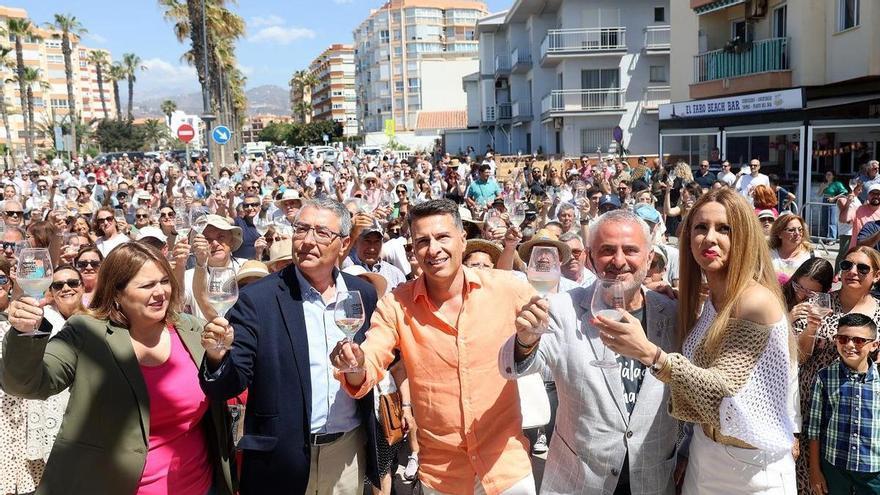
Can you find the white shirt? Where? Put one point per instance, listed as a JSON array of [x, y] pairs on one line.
[[189, 299], [748, 183], [107, 245], [728, 178]]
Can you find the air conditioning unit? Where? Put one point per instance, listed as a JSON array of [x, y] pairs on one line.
[[755, 9]]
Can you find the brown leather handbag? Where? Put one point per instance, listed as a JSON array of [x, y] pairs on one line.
[[391, 417]]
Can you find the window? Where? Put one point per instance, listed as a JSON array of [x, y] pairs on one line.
[[780, 22], [595, 138], [55, 59], [398, 85], [53, 43], [659, 14], [383, 36], [59, 103], [658, 74], [742, 30], [847, 14]]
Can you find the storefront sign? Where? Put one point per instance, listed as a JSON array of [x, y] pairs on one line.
[[771, 101]]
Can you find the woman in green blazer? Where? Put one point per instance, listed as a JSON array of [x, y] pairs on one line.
[[137, 421]]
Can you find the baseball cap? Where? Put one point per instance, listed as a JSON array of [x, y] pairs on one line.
[[766, 214], [154, 232], [609, 201], [647, 213], [874, 187]]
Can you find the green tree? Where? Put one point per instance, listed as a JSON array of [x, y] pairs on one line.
[[168, 107], [31, 77], [117, 73], [21, 29], [117, 135], [4, 108], [154, 131], [68, 24], [98, 58], [131, 63]]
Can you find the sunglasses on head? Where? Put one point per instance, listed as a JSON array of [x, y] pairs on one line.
[[73, 283], [859, 342], [83, 264], [862, 268]]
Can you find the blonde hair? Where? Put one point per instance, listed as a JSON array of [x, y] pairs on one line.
[[683, 171], [777, 230], [749, 262]]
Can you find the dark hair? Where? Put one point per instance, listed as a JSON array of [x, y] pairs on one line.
[[90, 248], [858, 320], [773, 179], [435, 207], [818, 269], [41, 233], [484, 167]]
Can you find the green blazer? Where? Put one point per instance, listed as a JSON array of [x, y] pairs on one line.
[[102, 445]]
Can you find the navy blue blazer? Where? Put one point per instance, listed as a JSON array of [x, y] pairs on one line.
[[270, 358]]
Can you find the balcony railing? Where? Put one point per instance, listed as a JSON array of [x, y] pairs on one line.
[[559, 41], [583, 100], [521, 60], [657, 38], [742, 59], [503, 111], [489, 116], [521, 109], [656, 96], [502, 64]]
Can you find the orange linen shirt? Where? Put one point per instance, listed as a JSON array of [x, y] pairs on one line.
[[468, 415]]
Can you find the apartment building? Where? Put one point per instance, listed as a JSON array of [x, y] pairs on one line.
[[334, 96], [250, 131], [795, 84], [410, 56], [559, 77], [43, 51]]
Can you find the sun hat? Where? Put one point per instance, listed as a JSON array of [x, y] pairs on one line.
[[544, 238], [288, 195], [375, 279], [251, 269], [280, 251], [484, 246], [221, 223]]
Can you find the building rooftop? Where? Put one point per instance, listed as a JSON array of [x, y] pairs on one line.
[[446, 119]]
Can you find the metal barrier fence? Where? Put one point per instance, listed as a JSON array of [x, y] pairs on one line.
[[821, 218]]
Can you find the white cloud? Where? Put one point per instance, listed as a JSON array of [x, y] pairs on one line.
[[97, 38], [281, 35], [269, 20], [158, 69], [342, 2], [246, 69]]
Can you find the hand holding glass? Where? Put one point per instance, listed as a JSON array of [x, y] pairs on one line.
[[222, 293], [34, 275], [348, 313], [544, 273], [609, 303]]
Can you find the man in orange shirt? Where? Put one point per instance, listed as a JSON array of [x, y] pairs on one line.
[[449, 325]]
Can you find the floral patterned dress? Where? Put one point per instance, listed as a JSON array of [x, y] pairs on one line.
[[27, 432], [823, 354]]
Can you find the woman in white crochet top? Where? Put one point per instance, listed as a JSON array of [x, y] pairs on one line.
[[737, 365]]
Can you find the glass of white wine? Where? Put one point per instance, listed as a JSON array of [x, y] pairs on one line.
[[609, 303], [518, 214], [182, 226], [34, 275], [262, 222], [544, 273], [348, 313], [222, 292]]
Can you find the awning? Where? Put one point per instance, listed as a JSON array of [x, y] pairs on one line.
[[717, 5]]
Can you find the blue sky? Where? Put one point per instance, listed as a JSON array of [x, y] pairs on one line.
[[282, 35]]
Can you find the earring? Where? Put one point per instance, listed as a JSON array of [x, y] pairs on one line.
[[116, 306]]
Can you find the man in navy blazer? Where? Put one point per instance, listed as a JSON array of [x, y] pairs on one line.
[[302, 433]]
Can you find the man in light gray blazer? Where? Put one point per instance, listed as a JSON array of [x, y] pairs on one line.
[[613, 432]]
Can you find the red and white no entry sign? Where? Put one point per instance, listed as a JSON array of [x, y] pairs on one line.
[[186, 133]]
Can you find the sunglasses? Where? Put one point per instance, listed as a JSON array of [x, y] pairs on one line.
[[83, 264], [14, 213], [859, 342], [104, 219], [250, 205], [167, 214], [862, 268], [73, 283], [142, 216], [4, 280]]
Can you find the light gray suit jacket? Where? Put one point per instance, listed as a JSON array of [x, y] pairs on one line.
[[593, 430]]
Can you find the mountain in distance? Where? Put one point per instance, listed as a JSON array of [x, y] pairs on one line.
[[261, 100]]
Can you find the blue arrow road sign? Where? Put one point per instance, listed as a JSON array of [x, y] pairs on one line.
[[221, 134]]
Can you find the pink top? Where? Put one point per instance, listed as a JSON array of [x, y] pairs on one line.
[[177, 458]]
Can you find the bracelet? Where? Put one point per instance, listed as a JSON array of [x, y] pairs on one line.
[[524, 346], [406, 404], [656, 358]]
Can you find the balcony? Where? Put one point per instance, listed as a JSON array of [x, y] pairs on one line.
[[654, 97], [502, 66], [521, 110], [503, 111], [657, 40], [521, 60], [742, 67], [583, 101], [561, 43], [489, 115]]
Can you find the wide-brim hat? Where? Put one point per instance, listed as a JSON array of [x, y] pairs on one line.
[[375, 279], [483, 246], [251, 269], [221, 223], [466, 216], [280, 251], [544, 238], [288, 195]]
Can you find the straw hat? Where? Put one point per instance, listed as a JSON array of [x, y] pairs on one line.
[[375, 279], [280, 251], [221, 223], [544, 238], [289, 195], [484, 246], [251, 269]]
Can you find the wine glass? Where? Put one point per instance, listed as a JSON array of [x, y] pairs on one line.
[[262, 223], [198, 219], [34, 275], [853, 183], [348, 313], [494, 220], [119, 215], [72, 194], [72, 243], [222, 293], [608, 302], [182, 226], [518, 214], [544, 273]]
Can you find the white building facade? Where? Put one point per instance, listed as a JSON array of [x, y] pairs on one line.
[[557, 77]]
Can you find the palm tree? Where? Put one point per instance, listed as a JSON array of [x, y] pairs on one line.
[[68, 24], [304, 81], [4, 109], [131, 63], [98, 58], [154, 131], [303, 109], [20, 29], [168, 107], [31, 77], [117, 73]]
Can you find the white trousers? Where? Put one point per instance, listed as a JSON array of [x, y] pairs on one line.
[[715, 469], [525, 486]]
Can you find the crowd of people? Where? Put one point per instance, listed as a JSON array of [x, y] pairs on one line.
[[652, 328]]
